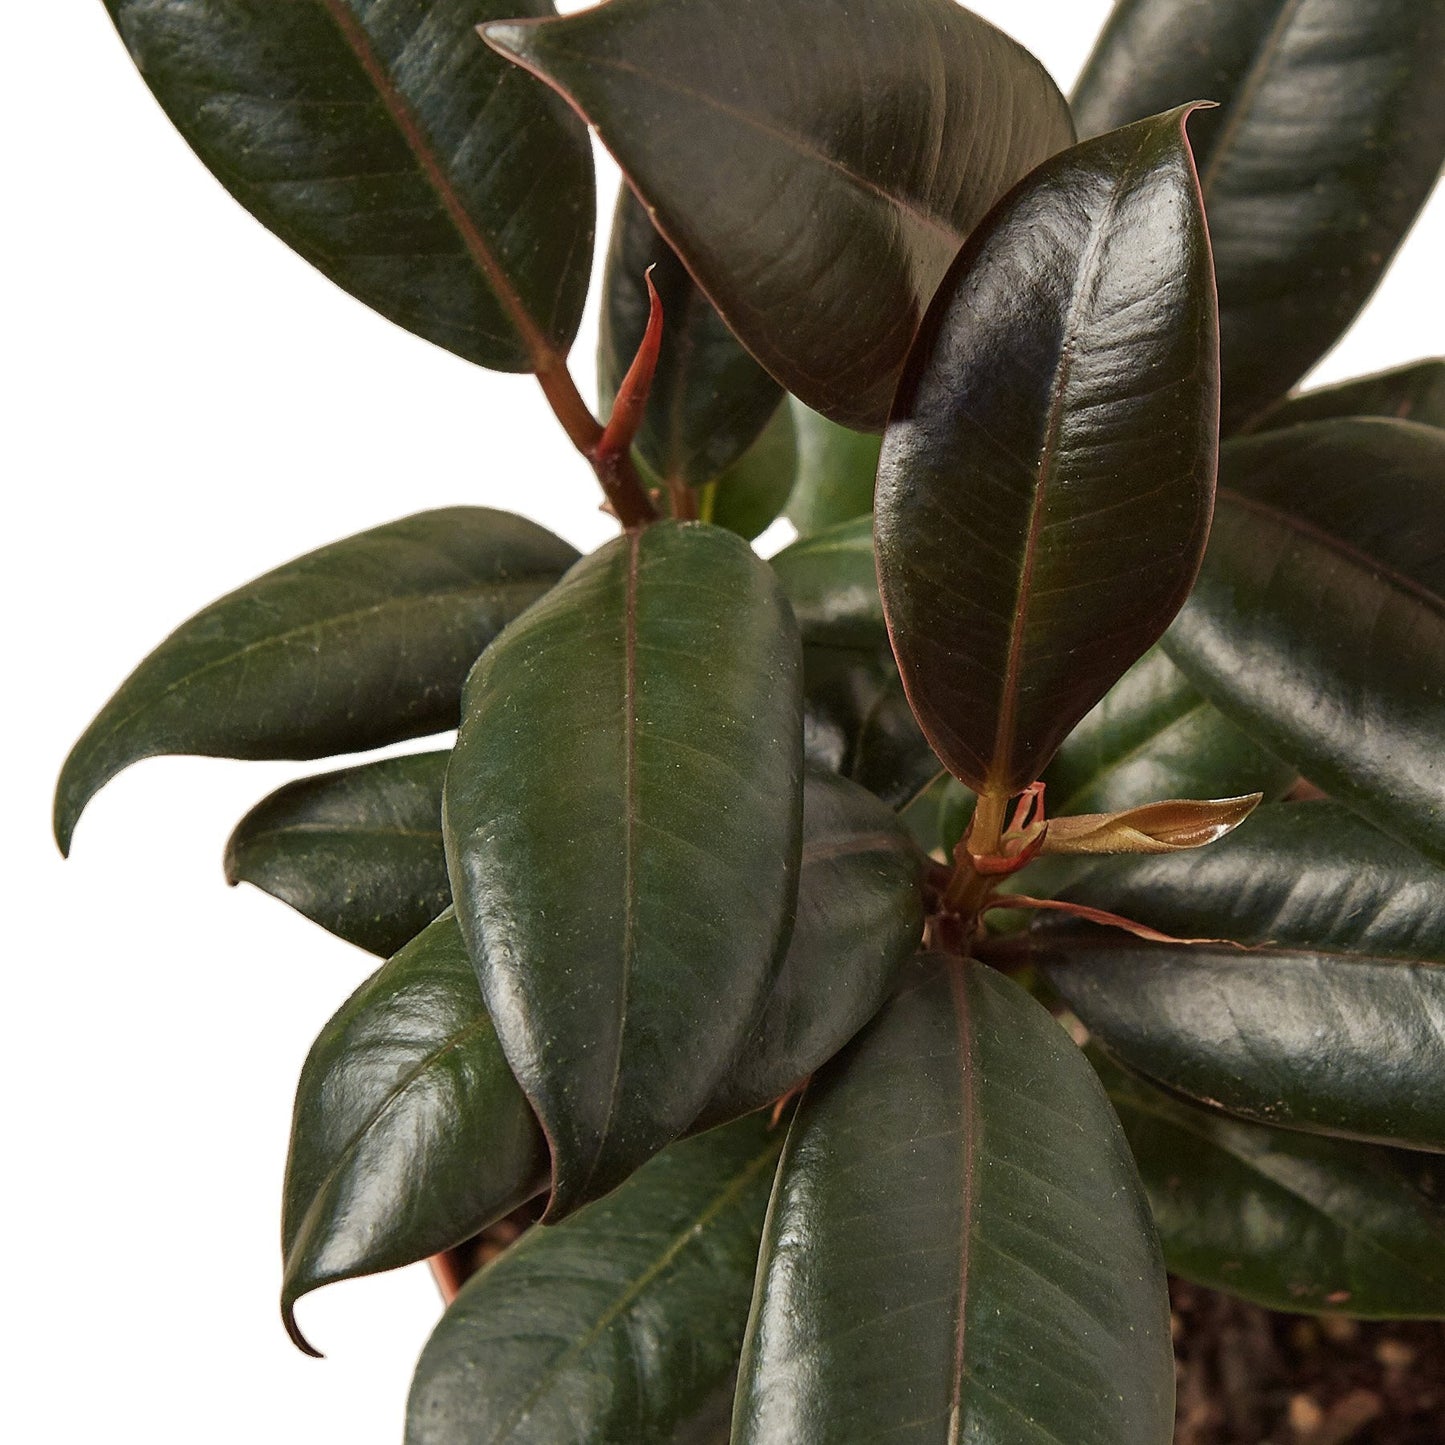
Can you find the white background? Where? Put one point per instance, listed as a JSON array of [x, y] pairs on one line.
[[187, 405]]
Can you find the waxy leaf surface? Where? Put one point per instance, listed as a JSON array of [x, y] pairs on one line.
[[958, 1246], [836, 471], [1292, 1221], [1153, 735], [410, 1132], [619, 1324], [832, 584], [752, 493], [859, 919], [360, 643], [623, 817], [358, 851], [1408, 393], [816, 165], [1318, 624], [1047, 475], [389, 147], [709, 398], [1329, 137]]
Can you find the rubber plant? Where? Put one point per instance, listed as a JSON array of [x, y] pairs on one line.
[[727, 948]]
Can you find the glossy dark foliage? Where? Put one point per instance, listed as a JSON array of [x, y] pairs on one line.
[[800, 1181], [396, 153]]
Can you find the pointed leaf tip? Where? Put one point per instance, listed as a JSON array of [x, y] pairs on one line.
[[508, 37], [293, 1330]]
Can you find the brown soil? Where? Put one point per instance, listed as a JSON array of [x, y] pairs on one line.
[[1248, 1376]]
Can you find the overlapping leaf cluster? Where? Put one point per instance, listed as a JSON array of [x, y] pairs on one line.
[[695, 943]]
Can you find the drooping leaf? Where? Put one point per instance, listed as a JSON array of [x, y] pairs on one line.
[[1408, 393], [958, 1246], [832, 583], [623, 821], [859, 919], [1308, 875], [358, 851], [1153, 735], [1329, 138], [752, 493], [709, 398], [1318, 624], [817, 165], [1292, 1221], [619, 1324], [410, 1133], [396, 153], [1047, 475], [857, 722], [361, 643], [836, 470]]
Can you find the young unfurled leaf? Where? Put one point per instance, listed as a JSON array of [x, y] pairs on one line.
[[358, 851], [394, 151], [1318, 624], [1166, 827], [360, 643], [958, 1246], [816, 164], [1329, 137], [1047, 475], [619, 1324], [1295, 1222], [623, 818], [709, 399], [410, 1132]]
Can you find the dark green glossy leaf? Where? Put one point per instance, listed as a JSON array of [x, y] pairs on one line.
[[752, 493], [410, 1132], [709, 398], [1329, 138], [817, 164], [958, 1246], [1153, 736], [857, 722], [836, 469], [619, 1324], [1047, 475], [1310, 875], [832, 584], [859, 919], [390, 148], [1347, 1044], [1292, 1221], [359, 851], [1318, 623], [361, 643], [1408, 393], [623, 819]]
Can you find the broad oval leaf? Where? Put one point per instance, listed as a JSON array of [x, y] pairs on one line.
[[360, 643], [958, 1246], [1311, 875], [836, 471], [816, 165], [1408, 393], [620, 1323], [1347, 1044], [1291, 1221], [859, 919], [390, 148], [832, 584], [410, 1133], [357, 851], [752, 493], [623, 817], [709, 398], [1330, 136], [1047, 475], [1318, 624]]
